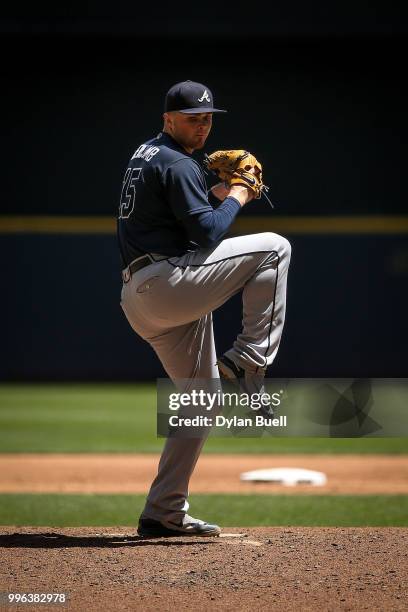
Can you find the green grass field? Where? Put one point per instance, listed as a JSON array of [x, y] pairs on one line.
[[120, 418], [228, 510]]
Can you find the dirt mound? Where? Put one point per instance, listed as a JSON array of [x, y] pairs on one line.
[[250, 569]]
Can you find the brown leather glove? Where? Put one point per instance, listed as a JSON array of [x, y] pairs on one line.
[[237, 167]]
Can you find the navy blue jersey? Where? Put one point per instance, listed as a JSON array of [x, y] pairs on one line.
[[164, 206]]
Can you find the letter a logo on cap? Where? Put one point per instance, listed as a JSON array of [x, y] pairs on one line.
[[205, 96]]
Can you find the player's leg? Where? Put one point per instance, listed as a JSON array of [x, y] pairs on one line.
[[202, 281], [188, 354], [264, 308]]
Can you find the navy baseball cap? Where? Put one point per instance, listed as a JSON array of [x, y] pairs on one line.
[[190, 97]]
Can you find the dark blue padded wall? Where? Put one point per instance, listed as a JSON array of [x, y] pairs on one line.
[[346, 316]]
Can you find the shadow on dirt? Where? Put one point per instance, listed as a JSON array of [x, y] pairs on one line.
[[58, 540]]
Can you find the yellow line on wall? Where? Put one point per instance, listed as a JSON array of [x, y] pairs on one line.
[[56, 225], [325, 225], [246, 224]]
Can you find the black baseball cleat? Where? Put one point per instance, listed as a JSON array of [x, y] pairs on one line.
[[246, 381], [149, 528]]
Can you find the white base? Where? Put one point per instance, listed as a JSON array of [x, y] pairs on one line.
[[288, 477]]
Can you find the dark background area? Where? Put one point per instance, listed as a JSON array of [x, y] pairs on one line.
[[327, 117], [316, 91]]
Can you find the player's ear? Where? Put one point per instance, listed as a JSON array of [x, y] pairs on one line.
[[167, 119], [171, 115]]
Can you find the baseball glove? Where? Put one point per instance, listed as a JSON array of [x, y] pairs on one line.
[[237, 167]]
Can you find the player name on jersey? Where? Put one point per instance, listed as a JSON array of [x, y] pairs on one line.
[[145, 152]]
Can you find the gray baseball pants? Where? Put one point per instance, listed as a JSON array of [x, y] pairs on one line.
[[170, 302]]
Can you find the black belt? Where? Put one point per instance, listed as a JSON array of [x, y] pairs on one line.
[[138, 264]]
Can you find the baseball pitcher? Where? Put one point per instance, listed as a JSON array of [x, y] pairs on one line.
[[177, 269]]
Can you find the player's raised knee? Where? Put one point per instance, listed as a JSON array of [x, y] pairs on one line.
[[276, 243], [285, 246]]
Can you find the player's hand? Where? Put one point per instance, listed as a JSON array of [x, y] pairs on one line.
[[242, 194], [221, 190]]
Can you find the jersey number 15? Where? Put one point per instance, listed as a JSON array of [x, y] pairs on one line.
[[127, 198]]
